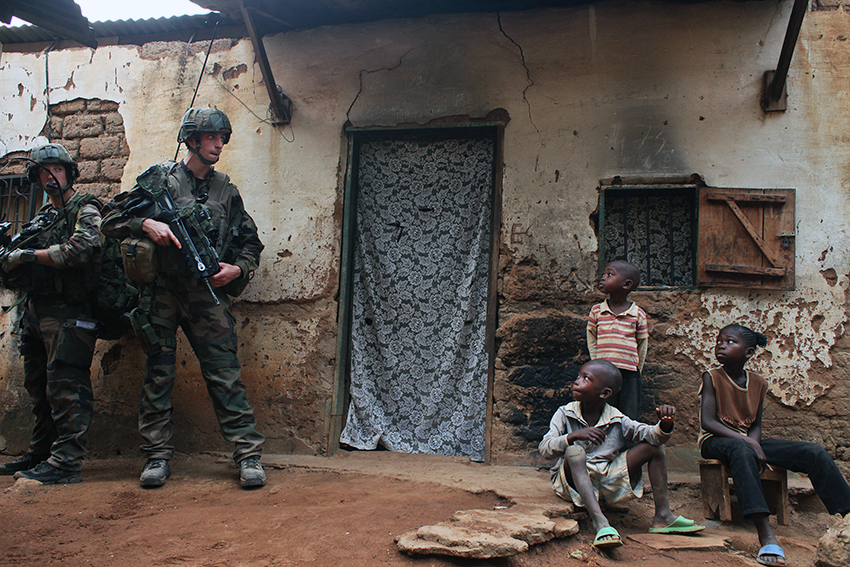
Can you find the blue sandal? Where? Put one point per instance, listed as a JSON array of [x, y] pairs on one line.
[[771, 550]]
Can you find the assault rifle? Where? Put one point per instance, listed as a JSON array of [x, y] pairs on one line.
[[9, 243], [199, 252]]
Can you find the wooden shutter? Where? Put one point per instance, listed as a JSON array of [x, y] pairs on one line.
[[746, 238]]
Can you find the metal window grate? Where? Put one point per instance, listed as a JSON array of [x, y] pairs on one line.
[[655, 229], [19, 200]]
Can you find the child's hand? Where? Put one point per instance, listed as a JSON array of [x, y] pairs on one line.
[[592, 434], [667, 416]]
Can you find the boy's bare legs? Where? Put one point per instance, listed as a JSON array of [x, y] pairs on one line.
[[577, 461], [635, 459]]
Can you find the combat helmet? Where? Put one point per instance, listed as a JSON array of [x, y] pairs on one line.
[[203, 119], [51, 153]]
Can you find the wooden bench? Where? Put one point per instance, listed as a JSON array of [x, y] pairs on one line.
[[716, 495]]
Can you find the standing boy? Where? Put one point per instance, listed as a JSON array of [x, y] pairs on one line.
[[177, 298], [53, 264], [589, 436], [617, 332]]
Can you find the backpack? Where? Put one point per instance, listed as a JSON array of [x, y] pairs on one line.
[[113, 295]]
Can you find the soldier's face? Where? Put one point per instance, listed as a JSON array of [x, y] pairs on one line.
[[211, 145], [56, 169]]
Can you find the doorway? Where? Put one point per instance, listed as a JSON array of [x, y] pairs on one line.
[[419, 366]]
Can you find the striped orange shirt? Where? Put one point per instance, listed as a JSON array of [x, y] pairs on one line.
[[616, 337]]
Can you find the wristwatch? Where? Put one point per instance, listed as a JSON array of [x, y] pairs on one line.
[[28, 255]]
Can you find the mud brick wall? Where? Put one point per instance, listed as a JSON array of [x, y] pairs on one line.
[[541, 345], [93, 131], [830, 4]]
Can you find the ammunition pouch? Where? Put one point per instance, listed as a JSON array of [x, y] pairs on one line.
[[34, 278], [140, 259], [155, 333], [19, 278]]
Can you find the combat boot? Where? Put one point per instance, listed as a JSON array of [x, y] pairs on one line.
[[155, 473], [24, 463], [251, 473], [45, 473]]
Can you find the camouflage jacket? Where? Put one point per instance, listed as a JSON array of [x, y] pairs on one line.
[[84, 244], [74, 249], [236, 240]]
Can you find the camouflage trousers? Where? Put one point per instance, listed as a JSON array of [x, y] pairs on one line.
[[57, 344], [211, 333]]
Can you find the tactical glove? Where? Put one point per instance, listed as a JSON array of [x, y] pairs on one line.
[[17, 257]]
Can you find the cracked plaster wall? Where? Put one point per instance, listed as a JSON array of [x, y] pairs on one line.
[[287, 347], [615, 88]]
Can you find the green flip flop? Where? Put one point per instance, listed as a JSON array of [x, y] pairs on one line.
[[613, 538], [680, 525]]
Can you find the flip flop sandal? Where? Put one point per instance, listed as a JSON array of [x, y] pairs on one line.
[[771, 549], [613, 538], [680, 525]]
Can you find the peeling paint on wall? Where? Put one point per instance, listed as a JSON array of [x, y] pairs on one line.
[[800, 330]]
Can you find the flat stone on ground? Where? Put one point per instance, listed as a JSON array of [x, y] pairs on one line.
[[484, 534], [696, 541]]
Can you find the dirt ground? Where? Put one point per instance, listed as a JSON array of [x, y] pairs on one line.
[[323, 515]]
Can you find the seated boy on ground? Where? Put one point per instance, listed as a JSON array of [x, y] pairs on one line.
[[589, 436]]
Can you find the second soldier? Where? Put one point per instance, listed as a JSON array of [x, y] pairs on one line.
[[176, 297]]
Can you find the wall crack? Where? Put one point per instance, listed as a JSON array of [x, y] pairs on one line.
[[370, 71], [527, 71]]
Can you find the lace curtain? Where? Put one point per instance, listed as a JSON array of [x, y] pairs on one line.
[[418, 361]]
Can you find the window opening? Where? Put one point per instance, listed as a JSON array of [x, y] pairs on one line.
[[652, 227], [19, 201]]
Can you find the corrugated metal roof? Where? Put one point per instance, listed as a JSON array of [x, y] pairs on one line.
[[60, 18], [176, 27]]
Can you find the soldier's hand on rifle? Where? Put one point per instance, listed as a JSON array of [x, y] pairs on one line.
[[15, 258], [160, 233], [227, 274]]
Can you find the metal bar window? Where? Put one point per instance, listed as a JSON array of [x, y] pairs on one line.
[[19, 200], [652, 228]]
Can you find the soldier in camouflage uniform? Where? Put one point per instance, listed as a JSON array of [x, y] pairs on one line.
[[54, 265], [176, 298]]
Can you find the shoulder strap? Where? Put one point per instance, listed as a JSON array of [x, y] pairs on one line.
[[77, 202]]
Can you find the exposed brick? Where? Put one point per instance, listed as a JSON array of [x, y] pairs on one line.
[[112, 169], [108, 106], [83, 126], [75, 106], [114, 189], [73, 146], [89, 171], [100, 190], [125, 148], [114, 123], [55, 127], [99, 148]]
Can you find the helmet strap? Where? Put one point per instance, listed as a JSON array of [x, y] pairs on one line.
[[195, 151]]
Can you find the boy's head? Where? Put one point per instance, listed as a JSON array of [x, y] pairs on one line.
[[597, 380], [619, 278]]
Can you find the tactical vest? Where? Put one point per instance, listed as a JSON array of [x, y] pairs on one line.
[[219, 198], [75, 283]]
